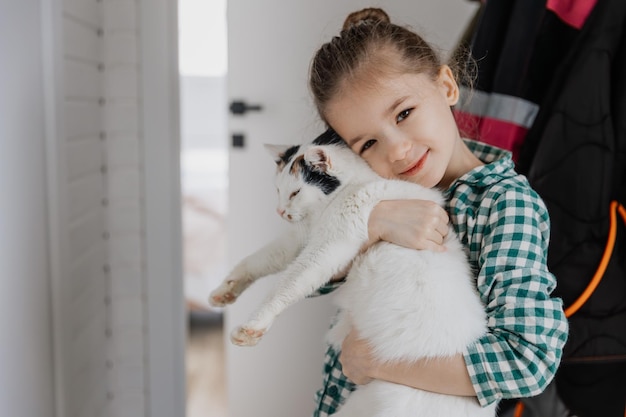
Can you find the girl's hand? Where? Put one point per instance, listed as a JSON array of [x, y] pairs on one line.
[[356, 359], [415, 224]]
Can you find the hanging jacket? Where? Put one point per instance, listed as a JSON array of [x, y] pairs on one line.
[[555, 94]]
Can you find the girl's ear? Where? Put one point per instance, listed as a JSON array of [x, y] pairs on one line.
[[277, 151], [318, 158], [448, 84]]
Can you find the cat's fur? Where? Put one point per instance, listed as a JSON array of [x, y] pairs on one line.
[[408, 304]]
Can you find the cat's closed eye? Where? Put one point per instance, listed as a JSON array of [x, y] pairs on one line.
[[295, 193]]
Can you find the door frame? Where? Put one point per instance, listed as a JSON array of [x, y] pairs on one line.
[[165, 321]]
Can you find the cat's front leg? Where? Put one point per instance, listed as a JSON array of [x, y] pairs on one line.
[[270, 259], [311, 269], [231, 288]]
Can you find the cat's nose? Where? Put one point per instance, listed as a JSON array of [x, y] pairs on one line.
[[280, 212]]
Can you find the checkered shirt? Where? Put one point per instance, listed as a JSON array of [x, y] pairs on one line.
[[505, 226]]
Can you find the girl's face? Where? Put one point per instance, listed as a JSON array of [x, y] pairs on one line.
[[402, 126]]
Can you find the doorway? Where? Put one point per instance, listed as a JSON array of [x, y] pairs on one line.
[[204, 187]]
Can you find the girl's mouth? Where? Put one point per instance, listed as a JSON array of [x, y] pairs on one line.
[[417, 166]]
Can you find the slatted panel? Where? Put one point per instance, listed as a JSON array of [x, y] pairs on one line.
[[121, 15], [124, 217], [86, 233], [124, 184], [123, 151], [128, 351], [86, 308], [127, 249], [89, 12], [87, 385], [122, 117], [84, 272], [82, 119], [126, 318], [122, 82], [88, 373], [81, 41], [84, 159], [103, 287], [82, 80], [85, 194], [128, 345], [126, 281], [121, 47]]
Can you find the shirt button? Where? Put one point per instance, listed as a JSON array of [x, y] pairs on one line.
[[333, 391]]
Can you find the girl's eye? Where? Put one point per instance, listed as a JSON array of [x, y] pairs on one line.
[[295, 193], [403, 115], [367, 145]]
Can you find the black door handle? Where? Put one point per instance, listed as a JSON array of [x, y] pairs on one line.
[[241, 107]]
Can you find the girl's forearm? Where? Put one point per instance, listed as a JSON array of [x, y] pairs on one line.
[[442, 375]]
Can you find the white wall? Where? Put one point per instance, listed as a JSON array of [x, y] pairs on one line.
[[203, 112], [25, 312]]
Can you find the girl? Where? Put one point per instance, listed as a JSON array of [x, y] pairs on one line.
[[382, 88]]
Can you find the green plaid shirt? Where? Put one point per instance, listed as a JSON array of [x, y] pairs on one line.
[[505, 226]]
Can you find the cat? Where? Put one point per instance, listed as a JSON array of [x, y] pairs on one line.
[[408, 304]]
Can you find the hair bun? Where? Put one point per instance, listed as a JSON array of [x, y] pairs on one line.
[[368, 15]]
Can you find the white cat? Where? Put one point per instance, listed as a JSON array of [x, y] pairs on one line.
[[408, 304]]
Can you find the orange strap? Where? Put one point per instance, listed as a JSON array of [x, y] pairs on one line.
[[604, 262], [597, 277]]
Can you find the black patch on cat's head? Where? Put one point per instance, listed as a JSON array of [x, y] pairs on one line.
[[324, 181], [286, 156], [330, 137]]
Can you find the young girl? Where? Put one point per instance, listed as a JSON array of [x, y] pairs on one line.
[[384, 91]]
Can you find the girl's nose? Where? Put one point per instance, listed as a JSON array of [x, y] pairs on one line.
[[398, 147]]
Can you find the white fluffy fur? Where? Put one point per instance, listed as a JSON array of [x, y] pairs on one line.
[[408, 304]]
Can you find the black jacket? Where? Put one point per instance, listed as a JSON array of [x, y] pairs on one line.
[[575, 157], [574, 152]]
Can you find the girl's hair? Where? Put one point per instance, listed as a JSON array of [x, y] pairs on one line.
[[368, 44]]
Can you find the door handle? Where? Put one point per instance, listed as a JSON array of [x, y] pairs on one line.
[[239, 108]]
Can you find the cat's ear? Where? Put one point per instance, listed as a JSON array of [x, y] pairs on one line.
[[318, 158], [276, 151]]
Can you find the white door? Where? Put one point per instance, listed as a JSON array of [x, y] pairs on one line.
[[271, 43]]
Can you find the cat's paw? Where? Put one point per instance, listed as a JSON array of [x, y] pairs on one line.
[[224, 294], [246, 336]]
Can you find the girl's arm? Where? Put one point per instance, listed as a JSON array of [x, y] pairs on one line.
[[443, 375], [521, 352], [519, 355]]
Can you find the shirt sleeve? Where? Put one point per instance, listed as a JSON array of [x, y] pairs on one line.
[[327, 288], [527, 329]]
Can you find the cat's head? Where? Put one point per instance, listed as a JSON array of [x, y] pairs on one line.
[[305, 177]]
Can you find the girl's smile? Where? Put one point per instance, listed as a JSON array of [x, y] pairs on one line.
[[415, 168], [401, 125]]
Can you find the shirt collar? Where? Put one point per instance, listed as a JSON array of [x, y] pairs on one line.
[[498, 165]]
